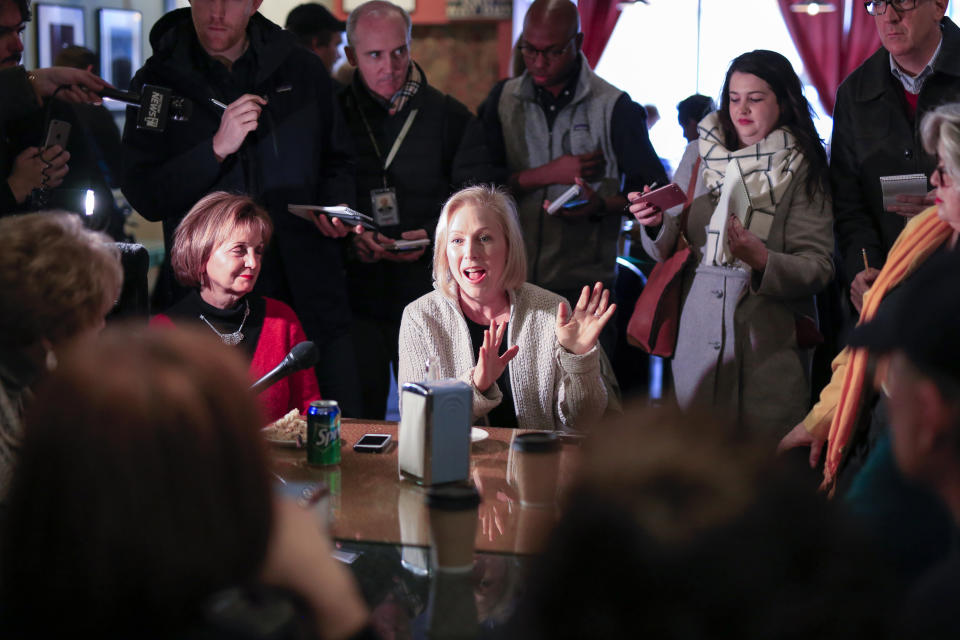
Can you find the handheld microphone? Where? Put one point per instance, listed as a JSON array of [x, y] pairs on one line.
[[303, 356], [156, 105]]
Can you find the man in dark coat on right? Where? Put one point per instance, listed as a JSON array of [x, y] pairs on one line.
[[876, 129]]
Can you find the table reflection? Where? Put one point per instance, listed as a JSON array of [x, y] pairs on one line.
[[407, 604], [368, 501]]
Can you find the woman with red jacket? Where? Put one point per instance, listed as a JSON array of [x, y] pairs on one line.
[[218, 251]]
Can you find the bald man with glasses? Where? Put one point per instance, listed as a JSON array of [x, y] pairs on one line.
[[559, 124], [876, 129]]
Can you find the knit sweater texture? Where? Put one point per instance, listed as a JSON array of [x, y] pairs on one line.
[[553, 389]]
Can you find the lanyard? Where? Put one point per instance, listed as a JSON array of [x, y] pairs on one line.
[[396, 143]]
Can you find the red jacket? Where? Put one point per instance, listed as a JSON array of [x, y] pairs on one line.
[[281, 331]]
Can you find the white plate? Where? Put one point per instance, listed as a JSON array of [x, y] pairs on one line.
[[289, 444], [477, 435]]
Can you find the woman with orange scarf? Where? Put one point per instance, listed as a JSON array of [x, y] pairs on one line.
[[834, 419]]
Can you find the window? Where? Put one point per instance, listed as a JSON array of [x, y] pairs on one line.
[[653, 55]]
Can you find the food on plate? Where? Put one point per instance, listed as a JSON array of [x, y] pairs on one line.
[[287, 428]]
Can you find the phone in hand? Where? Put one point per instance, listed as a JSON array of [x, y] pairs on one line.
[[565, 197], [372, 443], [57, 134], [665, 197], [408, 245], [346, 214]]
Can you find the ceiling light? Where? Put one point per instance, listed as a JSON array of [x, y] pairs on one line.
[[812, 7]]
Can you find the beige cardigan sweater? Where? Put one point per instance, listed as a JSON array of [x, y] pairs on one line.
[[553, 389]]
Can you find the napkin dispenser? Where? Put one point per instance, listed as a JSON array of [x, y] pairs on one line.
[[434, 435]]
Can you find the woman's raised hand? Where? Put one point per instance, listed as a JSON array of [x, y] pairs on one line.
[[578, 332], [490, 366]]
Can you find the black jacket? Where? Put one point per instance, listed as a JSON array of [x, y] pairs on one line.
[[443, 151], [18, 101], [297, 155], [874, 137]]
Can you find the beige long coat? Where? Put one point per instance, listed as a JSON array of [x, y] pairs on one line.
[[737, 341]]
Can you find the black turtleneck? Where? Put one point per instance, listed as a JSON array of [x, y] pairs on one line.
[[225, 320]]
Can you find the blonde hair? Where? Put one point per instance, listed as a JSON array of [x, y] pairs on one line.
[[57, 278], [209, 224], [942, 127], [497, 202]]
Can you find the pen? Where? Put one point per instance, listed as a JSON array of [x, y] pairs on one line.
[[217, 103], [863, 252]]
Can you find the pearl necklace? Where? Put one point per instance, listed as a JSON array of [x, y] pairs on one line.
[[237, 336]]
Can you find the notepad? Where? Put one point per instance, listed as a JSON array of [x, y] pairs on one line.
[[910, 184]]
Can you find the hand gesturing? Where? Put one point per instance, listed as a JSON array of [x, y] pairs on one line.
[[490, 366], [578, 332]]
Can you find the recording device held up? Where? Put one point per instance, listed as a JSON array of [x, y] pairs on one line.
[[157, 105]]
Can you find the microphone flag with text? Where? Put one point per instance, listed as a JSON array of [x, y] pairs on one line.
[[157, 105]]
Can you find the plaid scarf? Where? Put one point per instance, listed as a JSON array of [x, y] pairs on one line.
[[767, 166], [408, 90]]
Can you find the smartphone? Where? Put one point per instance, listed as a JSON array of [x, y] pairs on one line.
[[57, 133], [408, 245], [372, 443], [573, 204], [566, 196], [665, 197]]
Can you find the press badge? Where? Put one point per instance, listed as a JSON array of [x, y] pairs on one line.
[[384, 205]]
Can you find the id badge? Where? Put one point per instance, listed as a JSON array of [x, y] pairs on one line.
[[384, 205]]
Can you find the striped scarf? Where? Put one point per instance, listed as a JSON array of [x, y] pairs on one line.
[[920, 238]]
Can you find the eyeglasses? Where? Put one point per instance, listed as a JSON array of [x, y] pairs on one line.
[[879, 7], [552, 54]]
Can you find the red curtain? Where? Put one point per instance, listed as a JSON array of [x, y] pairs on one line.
[[829, 54], [597, 20], [819, 41], [862, 39]]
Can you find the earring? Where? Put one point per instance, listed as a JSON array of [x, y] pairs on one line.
[[51, 360]]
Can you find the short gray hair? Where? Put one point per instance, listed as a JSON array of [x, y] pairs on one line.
[[942, 127], [379, 8]]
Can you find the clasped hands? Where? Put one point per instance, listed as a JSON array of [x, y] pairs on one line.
[[577, 331]]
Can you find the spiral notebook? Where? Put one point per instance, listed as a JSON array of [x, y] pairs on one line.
[[910, 184]]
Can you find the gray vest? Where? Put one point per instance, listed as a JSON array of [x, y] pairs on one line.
[[562, 254]]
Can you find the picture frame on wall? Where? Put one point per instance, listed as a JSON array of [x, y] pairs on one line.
[[58, 26], [121, 31]]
